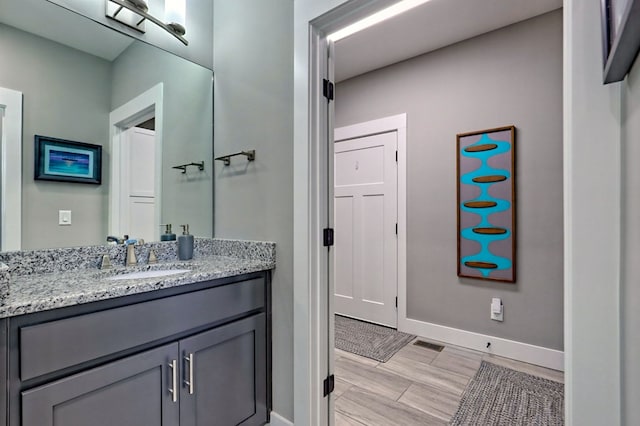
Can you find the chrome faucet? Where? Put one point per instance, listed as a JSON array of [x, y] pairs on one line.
[[106, 262], [153, 258], [131, 259]]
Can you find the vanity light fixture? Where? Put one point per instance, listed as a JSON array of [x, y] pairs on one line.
[[134, 14], [175, 12]]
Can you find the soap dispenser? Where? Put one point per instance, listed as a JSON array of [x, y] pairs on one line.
[[168, 235], [185, 244]]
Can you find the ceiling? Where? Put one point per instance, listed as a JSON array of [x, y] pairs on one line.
[[53, 22], [433, 25]]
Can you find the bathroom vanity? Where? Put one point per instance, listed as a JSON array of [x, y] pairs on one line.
[[191, 348]]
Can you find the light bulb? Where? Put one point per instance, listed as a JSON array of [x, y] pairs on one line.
[[175, 11]]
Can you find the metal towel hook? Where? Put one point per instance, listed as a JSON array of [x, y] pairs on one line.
[[183, 167], [251, 155]]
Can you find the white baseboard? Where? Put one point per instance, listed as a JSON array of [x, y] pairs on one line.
[[524, 352], [278, 420]]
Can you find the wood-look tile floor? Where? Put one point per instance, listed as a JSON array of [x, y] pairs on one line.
[[417, 386]]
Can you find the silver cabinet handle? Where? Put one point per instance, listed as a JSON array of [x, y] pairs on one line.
[[173, 365], [189, 382]]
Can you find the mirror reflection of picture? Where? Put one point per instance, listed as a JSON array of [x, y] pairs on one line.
[[67, 161]]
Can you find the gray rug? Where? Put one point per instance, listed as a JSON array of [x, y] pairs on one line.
[[369, 340], [500, 396]]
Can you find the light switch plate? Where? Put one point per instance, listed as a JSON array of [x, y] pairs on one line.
[[64, 217]]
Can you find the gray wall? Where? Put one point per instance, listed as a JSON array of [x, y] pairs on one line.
[[66, 95], [253, 62], [188, 132], [630, 288], [509, 76]]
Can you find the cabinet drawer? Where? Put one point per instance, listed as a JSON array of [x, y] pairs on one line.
[[55, 345]]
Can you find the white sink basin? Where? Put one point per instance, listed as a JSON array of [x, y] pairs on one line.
[[148, 274]]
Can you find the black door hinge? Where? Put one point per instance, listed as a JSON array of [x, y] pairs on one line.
[[329, 384], [396, 302], [327, 237], [396, 156], [396, 229], [327, 89]]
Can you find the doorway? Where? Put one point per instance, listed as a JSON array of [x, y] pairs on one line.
[[370, 220], [360, 116]]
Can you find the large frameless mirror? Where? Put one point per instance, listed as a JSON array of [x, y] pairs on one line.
[[149, 110]]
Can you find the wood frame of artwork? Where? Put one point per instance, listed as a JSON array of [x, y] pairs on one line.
[[620, 21], [486, 204], [67, 161]]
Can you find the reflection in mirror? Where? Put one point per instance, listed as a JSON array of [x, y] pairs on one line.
[[148, 109], [197, 18]]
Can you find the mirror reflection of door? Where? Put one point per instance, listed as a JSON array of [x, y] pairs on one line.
[[1, 185], [10, 169], [138, 180]]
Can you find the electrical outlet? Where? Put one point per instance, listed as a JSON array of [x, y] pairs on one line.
[[64, 217], [497, 309]]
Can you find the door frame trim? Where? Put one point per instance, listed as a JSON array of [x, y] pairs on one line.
[[309, 302], [11, 170], [395, 123]]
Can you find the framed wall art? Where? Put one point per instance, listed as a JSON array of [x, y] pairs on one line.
[[67, 161], [620, 37], [487, 204]]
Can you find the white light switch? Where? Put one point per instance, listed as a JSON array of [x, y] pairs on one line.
[[64, 217], [497, 313]]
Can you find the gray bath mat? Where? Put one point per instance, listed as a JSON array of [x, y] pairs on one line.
[[500, 396], [369, 340]]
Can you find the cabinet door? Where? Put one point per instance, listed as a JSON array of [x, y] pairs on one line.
[[134, 391], [224, 375]]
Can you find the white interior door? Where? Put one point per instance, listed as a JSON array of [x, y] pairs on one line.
[[139, 184], [366, 211]]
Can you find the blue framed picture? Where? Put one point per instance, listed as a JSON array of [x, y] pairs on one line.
[[67, 161]]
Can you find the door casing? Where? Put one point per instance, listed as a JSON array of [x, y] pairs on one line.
[[311, 343], [11, 170]]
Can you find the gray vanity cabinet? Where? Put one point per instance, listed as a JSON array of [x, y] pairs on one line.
[[189, 356], [129, 392], [224, 381], [219, 380]]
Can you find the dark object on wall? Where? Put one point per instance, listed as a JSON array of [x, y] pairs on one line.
[[620, 37], [486, 204], [67, 161]]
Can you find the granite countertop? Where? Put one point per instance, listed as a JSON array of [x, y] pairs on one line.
[[41, 280], [40, 292]]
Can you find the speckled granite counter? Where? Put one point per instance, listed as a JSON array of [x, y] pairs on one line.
[[47, 279]]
